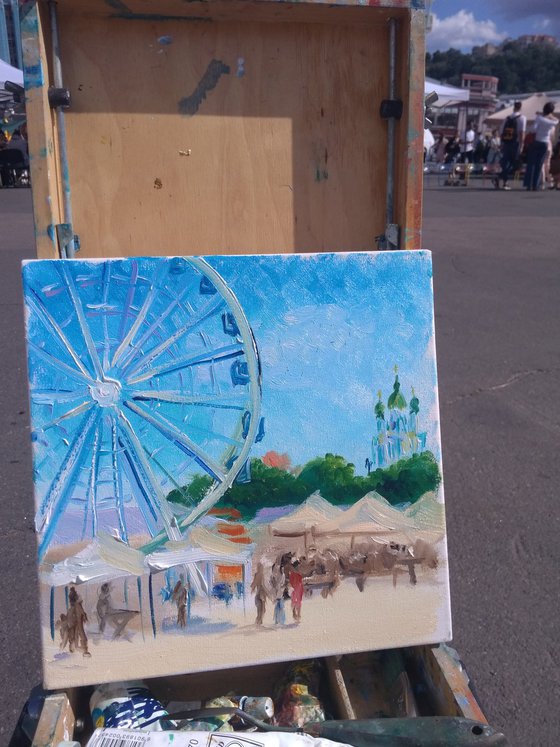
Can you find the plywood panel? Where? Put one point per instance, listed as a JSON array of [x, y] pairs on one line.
[[302, 11], [410, 130], [225, 137], [40, 121]]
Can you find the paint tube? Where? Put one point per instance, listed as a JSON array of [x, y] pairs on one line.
[[295, 699], [126, 705], [261, 708], [258, 707], [111, 737]]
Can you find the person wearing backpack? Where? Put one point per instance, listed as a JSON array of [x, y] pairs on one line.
[[512, 136]]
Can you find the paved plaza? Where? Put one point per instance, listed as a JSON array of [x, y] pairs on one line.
[[497, 289]]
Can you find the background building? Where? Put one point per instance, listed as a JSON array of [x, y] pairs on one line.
[[483, 95], [10, 37]]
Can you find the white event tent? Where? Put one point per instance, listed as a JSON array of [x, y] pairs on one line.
[[447, 95]]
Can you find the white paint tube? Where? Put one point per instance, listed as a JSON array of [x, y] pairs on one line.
[[139, 738]]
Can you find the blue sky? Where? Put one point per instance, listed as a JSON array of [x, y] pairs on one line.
[[463, 24], [330, 330]]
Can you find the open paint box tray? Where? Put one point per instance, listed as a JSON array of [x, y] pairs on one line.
[[423, 680]]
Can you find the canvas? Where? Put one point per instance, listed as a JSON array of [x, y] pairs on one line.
[[236, 460]]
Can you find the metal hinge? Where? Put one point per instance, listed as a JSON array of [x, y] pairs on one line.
[[390, 239], [68, 241]]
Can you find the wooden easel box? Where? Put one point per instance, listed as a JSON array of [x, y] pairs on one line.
[[353, 690], [286, 152]]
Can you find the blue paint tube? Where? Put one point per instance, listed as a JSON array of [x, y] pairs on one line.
[[126, 705]]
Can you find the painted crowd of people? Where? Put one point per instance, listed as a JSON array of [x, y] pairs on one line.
[[290, 577]]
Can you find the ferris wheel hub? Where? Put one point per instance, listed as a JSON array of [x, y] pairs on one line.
[[106, 393]]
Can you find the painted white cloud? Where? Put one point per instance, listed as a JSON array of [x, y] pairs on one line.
[[462, 31]]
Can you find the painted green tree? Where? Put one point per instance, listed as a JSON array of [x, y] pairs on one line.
[[333, 476]]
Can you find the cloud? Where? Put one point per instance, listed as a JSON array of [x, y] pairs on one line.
[[545, 12], [462, 31], [518, 9]]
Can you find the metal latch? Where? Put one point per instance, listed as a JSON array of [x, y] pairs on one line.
[[390, 239], [59, 97], [68, 241], [391, 109]]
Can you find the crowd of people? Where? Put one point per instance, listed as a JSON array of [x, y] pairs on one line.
[[14, 157], [511, 149]]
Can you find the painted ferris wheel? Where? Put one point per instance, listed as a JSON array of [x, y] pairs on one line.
[[144, 374]]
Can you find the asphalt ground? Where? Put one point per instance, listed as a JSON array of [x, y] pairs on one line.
[[497, 291]]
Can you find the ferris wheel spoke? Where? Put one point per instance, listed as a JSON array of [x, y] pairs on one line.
[[181, 440], [217, 436], [129, 296], [60, 365], [106, 345], [37, 305], [210, 356], [166, 472], [82, 321], [193, 323], [61, 487], [215, 401], [128, 338], [70, 414], [145, 478], [91, 496], [134, 349], [50, 396], [117, 477]]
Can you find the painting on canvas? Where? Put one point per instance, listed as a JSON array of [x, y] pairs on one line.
[[236, 460]]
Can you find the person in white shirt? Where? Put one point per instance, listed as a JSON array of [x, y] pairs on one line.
[[468, 145], [544, 128]]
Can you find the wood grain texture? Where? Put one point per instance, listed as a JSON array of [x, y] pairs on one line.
[[40, 125], [410, 136], [330, 11], [57, 720], [286, 151], [283, 151]]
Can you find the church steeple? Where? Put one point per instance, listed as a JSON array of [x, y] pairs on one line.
[[396, 399], [379, 407], [414, 404]]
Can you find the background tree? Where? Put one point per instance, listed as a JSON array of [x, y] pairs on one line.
[[521, 68]]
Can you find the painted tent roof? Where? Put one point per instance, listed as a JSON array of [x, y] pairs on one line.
[[372, 513], [107, 558], [428, 517], [423, 520], [314, 510]]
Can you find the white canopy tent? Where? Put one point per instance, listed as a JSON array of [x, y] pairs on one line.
[[7, 72], [530, 107], [447, 95]]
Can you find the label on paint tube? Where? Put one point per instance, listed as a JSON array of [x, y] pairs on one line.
[[125, 705], [139, 738]]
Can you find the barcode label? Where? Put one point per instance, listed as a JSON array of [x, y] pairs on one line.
[[118, 738]]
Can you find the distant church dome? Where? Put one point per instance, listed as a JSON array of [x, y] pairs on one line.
[[396, 400], [379, 407], [414, 404]]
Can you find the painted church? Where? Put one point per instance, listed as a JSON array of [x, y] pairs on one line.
[[397, 433]]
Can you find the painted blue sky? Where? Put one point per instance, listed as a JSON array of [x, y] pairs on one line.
[[330, 329], [462, 24]]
